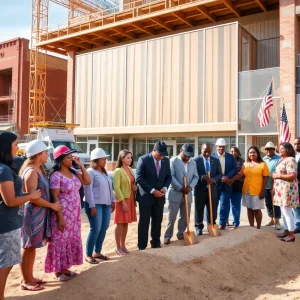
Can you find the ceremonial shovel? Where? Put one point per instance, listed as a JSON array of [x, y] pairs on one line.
[[189, 236], [213, 229]]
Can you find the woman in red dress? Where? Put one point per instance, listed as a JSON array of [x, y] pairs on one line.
[[124, 187]]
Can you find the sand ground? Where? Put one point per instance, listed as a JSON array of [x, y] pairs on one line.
[[245, 263]]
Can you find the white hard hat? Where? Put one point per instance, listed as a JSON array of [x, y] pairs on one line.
[[35, 147], [220, 142], [98, 153]]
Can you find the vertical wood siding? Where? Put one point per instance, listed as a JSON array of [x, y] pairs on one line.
[[186, 78]]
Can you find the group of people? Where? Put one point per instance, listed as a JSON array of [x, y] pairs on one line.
[[39, 209]]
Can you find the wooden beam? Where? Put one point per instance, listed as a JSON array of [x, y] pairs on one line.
[[161, 22], [89, 41], [54, 49], [261, 5], [204, 11], [180, 15], [125, 33], [228, 4], [141, 27], [107, 37]]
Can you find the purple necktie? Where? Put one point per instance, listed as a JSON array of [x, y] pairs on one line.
[[157, 168]]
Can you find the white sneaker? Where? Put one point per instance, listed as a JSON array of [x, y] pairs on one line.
[[277, 226]]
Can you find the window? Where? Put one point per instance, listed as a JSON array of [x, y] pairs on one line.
[[120, 144], [81, 141], [139, 148], [184, 140]]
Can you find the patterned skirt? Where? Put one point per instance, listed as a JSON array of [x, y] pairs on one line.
[[10, 248], [253, 202]]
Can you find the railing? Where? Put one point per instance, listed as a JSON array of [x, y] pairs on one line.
[[133, 8], [6, 119]]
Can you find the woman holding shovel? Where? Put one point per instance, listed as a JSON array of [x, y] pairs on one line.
[[256, 174]]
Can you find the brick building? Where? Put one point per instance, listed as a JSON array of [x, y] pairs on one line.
[[14, 86]]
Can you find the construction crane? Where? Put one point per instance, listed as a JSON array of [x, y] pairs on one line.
[[38, 56]]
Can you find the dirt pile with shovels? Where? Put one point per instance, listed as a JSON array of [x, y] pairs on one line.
[[241, 264]]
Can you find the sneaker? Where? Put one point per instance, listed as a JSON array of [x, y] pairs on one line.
[[271, 223], [277, 226]]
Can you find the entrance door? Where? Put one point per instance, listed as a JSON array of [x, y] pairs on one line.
[[171, 148], [91, 146]]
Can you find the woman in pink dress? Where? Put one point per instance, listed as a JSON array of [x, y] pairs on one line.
[[65, 247]]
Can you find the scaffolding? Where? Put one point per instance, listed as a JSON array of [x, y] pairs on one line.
[[38, 56]]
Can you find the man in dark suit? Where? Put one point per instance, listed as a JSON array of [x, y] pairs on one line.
[[206, 163], [153, 176], [228, 167]]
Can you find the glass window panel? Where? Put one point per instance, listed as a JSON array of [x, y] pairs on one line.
[[252, 84], [139, 148], [104, 139], [92, 138], [107, 147], [248, 111], [81, 139], [83, 147], [187, 139]]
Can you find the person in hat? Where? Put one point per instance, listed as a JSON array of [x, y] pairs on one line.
[[12, 199], [153, 176], [65, 247], [228, 167], [181, 165], [271, 160], [36, 228], [99, 203]]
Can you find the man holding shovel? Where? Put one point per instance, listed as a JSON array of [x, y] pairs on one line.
[[206, 163], [181, 165]]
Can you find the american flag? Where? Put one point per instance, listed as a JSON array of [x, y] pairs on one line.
[[284, 131], [264, 111]]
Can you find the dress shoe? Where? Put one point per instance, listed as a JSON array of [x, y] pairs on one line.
[[282, 234], [180, 238], [199, 232], [297, 230], [221, 227], [142, 249], [157, 246], [167, 241]]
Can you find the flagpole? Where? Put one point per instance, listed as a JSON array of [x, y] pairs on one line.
[[277, 112]]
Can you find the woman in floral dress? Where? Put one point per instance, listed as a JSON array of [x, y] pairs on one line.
[[65, 248], [286, 190]]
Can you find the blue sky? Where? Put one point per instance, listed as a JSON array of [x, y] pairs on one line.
[[15, 18]]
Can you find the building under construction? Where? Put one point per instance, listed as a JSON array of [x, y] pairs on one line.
[[175, 70], [14, 86]]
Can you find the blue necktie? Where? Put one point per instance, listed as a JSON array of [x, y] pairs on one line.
[[207, 168]]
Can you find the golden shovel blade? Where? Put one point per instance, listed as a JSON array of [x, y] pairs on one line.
[[190, 238]]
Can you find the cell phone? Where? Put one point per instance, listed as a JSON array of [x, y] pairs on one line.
[[75, 165]]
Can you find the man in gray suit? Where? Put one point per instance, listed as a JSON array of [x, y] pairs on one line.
[[181, 166]]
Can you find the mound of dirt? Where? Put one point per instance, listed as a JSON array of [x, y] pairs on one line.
[[242, 264]]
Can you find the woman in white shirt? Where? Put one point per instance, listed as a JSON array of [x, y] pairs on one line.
[[99, 202]]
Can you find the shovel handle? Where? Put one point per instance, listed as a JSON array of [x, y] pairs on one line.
[[186, 206], [210, 201]]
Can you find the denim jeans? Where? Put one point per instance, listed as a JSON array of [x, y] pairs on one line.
[[225, 196], [236, 202], [98, 227], [297, 217]]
